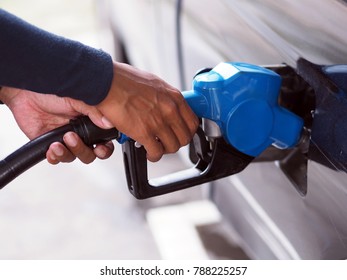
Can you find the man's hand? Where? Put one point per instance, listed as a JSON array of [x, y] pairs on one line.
[[37, 113], [148, 110]]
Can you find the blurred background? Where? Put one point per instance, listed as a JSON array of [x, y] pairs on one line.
[[76, 211]]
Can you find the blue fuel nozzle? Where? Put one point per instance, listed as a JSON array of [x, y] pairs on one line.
[[243, 100]]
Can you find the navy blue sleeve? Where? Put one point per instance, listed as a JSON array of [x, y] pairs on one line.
[[33, 59]]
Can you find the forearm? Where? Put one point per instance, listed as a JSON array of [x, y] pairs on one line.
[[33, 59]]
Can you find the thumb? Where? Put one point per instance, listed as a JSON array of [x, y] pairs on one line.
[[93, 113], [99, 119]]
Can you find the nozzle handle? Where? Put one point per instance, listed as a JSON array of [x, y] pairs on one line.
[[224, 161]]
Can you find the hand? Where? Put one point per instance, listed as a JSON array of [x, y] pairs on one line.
[[37, 113], [148, 110]]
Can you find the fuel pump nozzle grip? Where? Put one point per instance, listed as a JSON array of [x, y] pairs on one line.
[[242, 101]]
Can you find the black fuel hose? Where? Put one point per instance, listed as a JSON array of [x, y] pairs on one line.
[[35, 150]]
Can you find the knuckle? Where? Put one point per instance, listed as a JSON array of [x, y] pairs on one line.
[[154, 151], [154, 156], [87, 160], [102, 151], [52, 160], [194, 125], [173, 148], [84, 154], [143, 138], [78, 151], [176, 148], [185, 141], [171, 110]]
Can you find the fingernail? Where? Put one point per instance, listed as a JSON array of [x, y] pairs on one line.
[[53, 158], [70, 139], [58, 151], [106, 122], [102, 153]]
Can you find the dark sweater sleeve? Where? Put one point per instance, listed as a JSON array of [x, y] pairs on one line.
[[33, 59]]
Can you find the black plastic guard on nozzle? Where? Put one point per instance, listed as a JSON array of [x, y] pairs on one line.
[[90, 133], [224, 161]]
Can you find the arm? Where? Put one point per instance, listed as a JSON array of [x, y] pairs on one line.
[[137, 103], [37, 60]]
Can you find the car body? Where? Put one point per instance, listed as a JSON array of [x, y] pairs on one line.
[[174, 39]]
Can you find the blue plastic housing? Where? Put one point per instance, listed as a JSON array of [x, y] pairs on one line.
[[243, 100]]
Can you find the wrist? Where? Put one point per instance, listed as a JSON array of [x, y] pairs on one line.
[[7, 94], [112, 97]]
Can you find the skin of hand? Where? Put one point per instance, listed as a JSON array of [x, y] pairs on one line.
[[37, 113], [150, 111]]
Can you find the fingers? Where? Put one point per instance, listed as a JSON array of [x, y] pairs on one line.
[[170, 137], [189, 122], [78, 149], [170, 127], [186, 122], [154, 149], [177, 129], [57, 152], [189, 118], [104, 151], [75, 148]]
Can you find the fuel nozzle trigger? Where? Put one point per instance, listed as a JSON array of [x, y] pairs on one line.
[[242, 100]]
